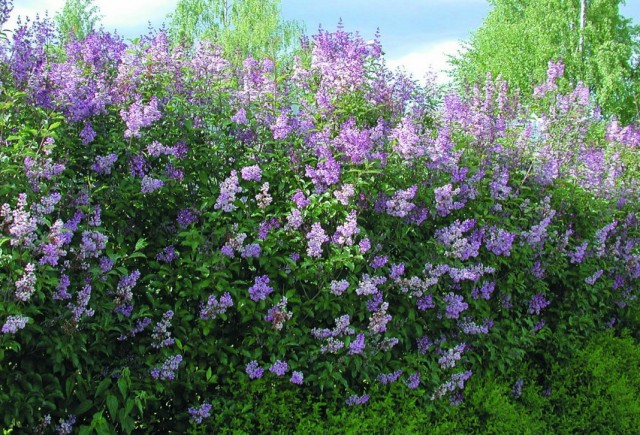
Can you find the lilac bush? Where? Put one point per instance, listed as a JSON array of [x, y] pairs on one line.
[[173, 228]]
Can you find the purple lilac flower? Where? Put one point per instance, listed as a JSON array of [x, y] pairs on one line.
[[294, 220], [456, 382], [52, 251], [316, 237], [260, 288], [379, 261], [22, 225], [339, 287], [161, 335], [326, 173], [378, 321], [61, 290], [251, 250], [240, 117], [579, 254], [345, 232], [65, 427], [26, 285], [263, 199], [214, 307], [279, 368], [499, 184], [389, 378], [413, 381], [138, 166], [364, 245], [14, 323], [424, 344], [104, 164], [516, 391], [254, 370], [278, 314], [332, 345], [357, 400], [499, 241], [357, 346], [537, 304], [397, 270], [282, 127], [228, 190], [173, 173], [344, 194], [538, 233], [538, 326], [167, 255], [368, 285], [251, 173], [201, 413], [139, 115], [593, 278], [186, 217], [452, 356], [297, 378], [407, 141], [140, 326], [445, 199], [399, 204], [459, 246], [124, 294], [300, 200], [168, 369], [425, 303], [472, 328], [486, 290], [150, 184], [455, 305], [81, 309]]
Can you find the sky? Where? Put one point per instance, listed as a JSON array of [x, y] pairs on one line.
[[417, 35]]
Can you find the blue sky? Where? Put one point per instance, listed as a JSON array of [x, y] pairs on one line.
[[416, 34]]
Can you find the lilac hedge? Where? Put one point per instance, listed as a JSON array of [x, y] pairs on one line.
[[173, 228]]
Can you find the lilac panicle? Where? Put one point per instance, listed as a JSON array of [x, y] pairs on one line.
[[254, 370], [14, 323], [260, 288]]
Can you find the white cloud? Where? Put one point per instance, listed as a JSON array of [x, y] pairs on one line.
[[426, 58]]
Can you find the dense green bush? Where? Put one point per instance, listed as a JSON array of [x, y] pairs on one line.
[[176, 230]]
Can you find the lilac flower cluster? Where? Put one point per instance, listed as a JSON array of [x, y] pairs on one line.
[[316, 237], [536, 236], [455, 305], [254, 370], [407, 141], [499, 241], [26, 285], [61, 289], [579, 254], [167, 255], [140, 326], [201, 413], [338, 287], [260, 288], [93, 243], [356, 347], [445, 199], [485, 291], [161, 335], [389, 378], [459, 246], [326, 173], [278, 314], [228, 190], [344, 194], [14, 323], [591, 280], [251, 173], [213, 308], [168, 369], [124, 294], [455, 382], [65, 427], [355, 400], [399, 204], [150, 184], [263, 199], [413, 381], [297, 378], [345, 232], [103, 164], [186, 217], [538, 303], [22, 225], [279, 368], [300, 200], [80, 309], [368, 285], [379, 319], [452, 356], [139, 115]]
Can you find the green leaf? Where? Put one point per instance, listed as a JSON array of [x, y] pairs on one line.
[[112, 406], [141, 244]]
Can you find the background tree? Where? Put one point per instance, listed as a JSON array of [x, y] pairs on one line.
[[77, 19], [597, 45], [242, 27]]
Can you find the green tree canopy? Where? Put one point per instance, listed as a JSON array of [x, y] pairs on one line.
[[597, 45], [77, 19], [242, 27]]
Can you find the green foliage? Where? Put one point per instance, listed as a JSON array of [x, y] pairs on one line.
[[518, 38], [77, 19], [242, 27]]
